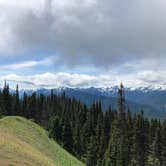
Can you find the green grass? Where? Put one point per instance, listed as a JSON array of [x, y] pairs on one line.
[[24, 143]]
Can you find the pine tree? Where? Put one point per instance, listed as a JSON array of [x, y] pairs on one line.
[[67, 136], [121, 101], [25, 105], [7, 105], [129, 134], [77, 146], [111, 153], [163, 155], [140, 146], [107, 124], [40, 108], [157, 145], [87, 132], [122, 130], [92, 152], [32, 109], [99, 136], [118, 151], [54, 128], [16, 110]]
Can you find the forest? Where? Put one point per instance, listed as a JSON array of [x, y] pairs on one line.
[[114, 137]]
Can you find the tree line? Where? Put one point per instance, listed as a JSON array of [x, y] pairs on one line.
[[111, 138]]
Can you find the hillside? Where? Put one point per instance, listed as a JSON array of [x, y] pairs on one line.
[[23, 142]]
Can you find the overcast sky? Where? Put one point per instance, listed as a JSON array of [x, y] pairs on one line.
[[80, 43]]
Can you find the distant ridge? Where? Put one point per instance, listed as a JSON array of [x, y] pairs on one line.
[[151, 98]]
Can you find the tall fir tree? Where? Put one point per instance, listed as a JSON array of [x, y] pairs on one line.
[[92, 152], [118, 150], [156, 148], [67, 136], [16, 110], [7, 100]]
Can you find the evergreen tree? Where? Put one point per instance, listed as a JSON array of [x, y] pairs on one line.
[[156, 147], [32, 109], [7, 100], [92, 153], [118, 150], [67, 136], [163, 155], [140, 147], [16, 110], [77, 146], [99, 136], [87, 132], [25, 105], [54, 128]]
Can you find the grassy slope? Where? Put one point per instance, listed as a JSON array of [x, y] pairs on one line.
[[23, 142]]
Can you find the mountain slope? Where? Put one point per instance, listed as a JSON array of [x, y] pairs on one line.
[[23, 142]]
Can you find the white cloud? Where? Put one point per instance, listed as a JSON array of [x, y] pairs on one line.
[[28, 64], [21, 65], [53, 80]]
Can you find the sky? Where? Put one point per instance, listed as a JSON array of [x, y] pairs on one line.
[[83, 43]]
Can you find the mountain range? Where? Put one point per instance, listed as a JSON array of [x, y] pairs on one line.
[[151, 100]]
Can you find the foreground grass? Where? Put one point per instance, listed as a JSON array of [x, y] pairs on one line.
[[24, 143]]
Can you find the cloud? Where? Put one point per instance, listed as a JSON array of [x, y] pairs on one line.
[[102, 33], [27, 64], [108, 79], [16, 66], [51, 80]]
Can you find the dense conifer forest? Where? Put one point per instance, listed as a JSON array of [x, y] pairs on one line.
[[111, 138]]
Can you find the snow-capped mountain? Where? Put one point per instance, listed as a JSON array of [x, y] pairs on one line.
[[151, 99]]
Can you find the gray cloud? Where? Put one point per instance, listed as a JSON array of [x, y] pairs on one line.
[[101, 32]]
